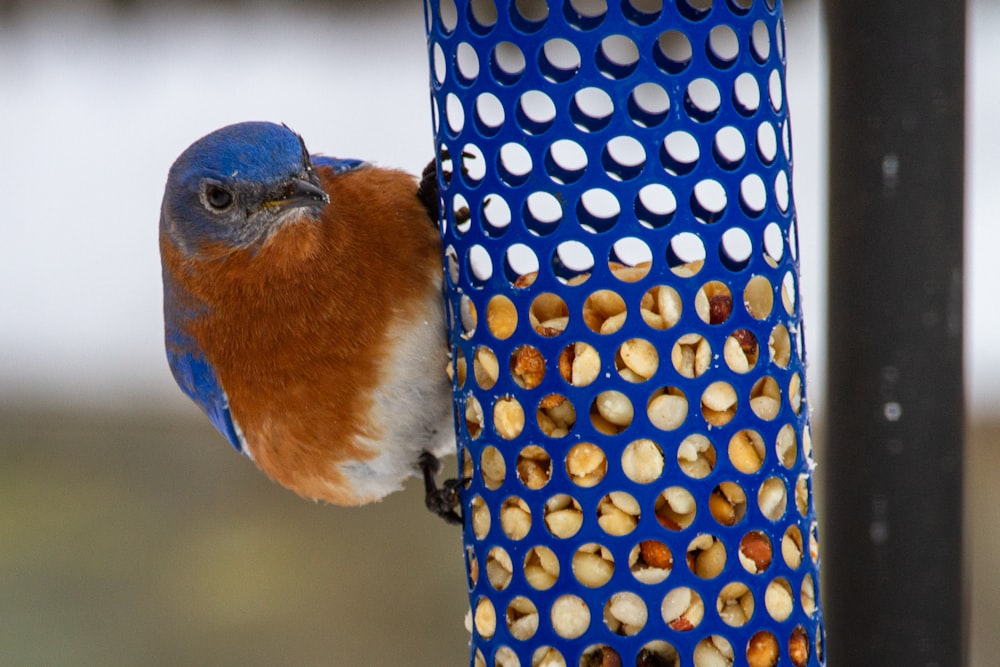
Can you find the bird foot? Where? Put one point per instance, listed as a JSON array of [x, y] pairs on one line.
[[427, 190], [441, 500]]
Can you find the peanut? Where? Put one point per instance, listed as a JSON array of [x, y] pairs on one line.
[[561, 411], [629, 274], [618, 513], [505, 657], [601, 424], [474, 420], [501, 316], [706, 556], [713, 651], [515, 518], [548, 314], [746, 451], [718, 403], [779, 344], [583, 365], [480, 518], [668, 305], [660, 307], [556, 415], [563, 516], [602, 307], [765, 398], [640, 357], [795, 393], [541, 568], [625, 614], [713, 302], [650, 561], [460, 368], [527, 367], [492, 467], [499, 568], [593, 565], [682, 609], [586, 464], [470, 555], [522, 618], [798, 647], [735, 604], [668, 410], [791, 547], [802, 494], [808, 595], [758, 297], [546, 656], [778, 599], [788, 294], [728, 503], [570, 616], [786, 447], [772, 498], [613, 324], [696, 456], [719, 308], [485, 618], [642, 461], [485, 367], [534, 467], [763, 651], [755, 552], [657, 653], [740, 350], [688, 269], [600, 656], [675, 508], [469, 317], [615, 407], [656, 554], [691, 355], [508, 417]]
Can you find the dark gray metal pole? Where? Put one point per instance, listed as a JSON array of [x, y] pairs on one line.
[[892, 530]]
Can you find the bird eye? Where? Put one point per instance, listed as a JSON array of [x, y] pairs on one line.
[[217, 197]]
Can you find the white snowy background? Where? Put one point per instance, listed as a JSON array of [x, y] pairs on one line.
[[95, 107]]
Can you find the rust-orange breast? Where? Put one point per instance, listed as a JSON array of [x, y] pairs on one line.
[[296, 329]]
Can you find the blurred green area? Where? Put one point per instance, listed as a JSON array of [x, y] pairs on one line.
[[129, 539], [143, 539]]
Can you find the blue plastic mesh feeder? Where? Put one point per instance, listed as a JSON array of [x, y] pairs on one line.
[[627, 348]]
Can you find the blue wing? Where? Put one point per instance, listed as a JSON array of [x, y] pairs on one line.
[[195, 376], [339, 165]]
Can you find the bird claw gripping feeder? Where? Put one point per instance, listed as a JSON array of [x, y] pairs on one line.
[[627, 353]]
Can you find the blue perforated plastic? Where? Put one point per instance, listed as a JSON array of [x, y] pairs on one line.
[[626, 156]]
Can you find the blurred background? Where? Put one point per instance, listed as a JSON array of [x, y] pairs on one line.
[[130, 533]]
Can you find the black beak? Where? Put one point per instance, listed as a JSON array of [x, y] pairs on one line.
[[297, 193], [308, 191]]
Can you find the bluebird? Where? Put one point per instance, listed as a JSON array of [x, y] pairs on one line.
[[303, 313]]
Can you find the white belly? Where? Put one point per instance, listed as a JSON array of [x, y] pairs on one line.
[[412, 407]]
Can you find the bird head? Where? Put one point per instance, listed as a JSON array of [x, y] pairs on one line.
[[234, 187]]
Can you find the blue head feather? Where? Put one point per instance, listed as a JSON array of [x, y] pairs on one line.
[[252, 151], [260, 170]]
